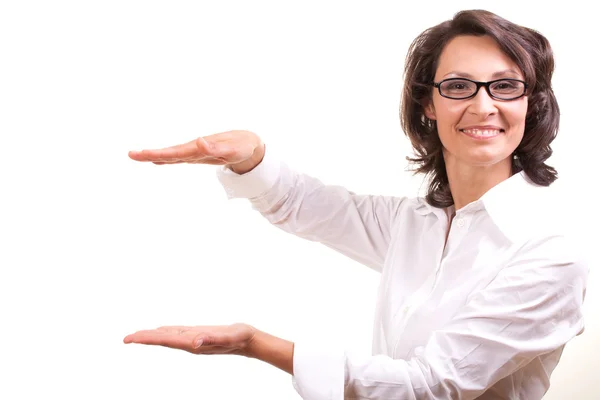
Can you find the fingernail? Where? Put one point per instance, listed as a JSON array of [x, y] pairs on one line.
[[198, 343]]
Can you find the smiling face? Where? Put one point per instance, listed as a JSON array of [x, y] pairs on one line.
[[480, 131]]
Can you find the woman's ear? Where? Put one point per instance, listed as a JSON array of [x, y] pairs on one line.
[[429, 109]]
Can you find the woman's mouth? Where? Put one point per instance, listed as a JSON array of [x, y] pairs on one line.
[[481, 133]]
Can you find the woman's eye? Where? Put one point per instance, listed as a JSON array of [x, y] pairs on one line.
[[505, 86]]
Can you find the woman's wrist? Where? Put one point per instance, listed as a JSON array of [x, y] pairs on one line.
[[273, 350], [251, 163]]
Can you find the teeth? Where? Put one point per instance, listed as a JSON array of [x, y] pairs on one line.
[[478, 132]]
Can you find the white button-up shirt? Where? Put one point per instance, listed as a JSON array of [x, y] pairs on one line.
[[485, 314]]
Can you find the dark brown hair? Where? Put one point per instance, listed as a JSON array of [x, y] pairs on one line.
[[528, 49]]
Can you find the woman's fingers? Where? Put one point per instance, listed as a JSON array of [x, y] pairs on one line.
[[177, 338], [173, 328], [167, 162], [196, 149]]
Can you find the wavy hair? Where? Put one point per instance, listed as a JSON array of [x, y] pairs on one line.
[[531, 52]]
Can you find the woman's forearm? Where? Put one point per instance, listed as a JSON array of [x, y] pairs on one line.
[[273, 350]]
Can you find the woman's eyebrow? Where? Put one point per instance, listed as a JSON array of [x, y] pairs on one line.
[[497, 74], [505, 72]]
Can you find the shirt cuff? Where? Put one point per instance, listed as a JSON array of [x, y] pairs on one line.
[[253, 183], [319, 374]]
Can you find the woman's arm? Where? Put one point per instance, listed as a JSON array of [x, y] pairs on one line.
[[532, 308], [357, 226]]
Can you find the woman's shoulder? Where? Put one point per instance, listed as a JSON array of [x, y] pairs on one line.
[[547, 225]]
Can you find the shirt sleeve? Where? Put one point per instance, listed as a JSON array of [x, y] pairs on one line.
[[358, 226], [533, 307]]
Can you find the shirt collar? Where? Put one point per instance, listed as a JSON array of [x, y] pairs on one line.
[[517, 206], [423, 208], [508, 204]]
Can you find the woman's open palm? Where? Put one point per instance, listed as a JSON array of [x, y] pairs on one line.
[[224, 339]]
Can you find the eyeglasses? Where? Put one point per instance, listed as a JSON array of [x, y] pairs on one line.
[[500, 89]]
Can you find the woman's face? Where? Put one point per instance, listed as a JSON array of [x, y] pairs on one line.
[[479, 131]]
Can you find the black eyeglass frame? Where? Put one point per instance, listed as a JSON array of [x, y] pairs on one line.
[[486, 85]]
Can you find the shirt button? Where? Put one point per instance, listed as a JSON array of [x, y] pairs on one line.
[[406, 309], [460, 222]]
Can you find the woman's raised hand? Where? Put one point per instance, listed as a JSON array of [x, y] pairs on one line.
[[240, 150]]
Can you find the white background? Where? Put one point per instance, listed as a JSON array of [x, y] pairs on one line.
[[95, 246]]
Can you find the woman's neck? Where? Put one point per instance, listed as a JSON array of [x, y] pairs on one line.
[[468, 182]]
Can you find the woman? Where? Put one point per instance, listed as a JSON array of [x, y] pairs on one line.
[[479, 290]]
